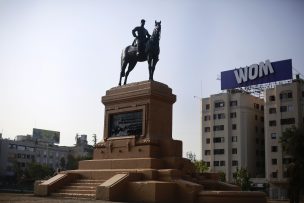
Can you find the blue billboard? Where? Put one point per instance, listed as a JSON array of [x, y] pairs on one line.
[[264, 72]]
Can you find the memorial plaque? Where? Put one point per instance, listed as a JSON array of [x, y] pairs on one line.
[[125, 124]]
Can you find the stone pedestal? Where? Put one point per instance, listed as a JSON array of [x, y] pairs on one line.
[[138, 122], [138, 160]]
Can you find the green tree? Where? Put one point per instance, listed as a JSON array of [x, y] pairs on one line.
[[222, 177], [200, 165], [242, 179], [35, 171], [62, 163], [72, 163], [292, 141]]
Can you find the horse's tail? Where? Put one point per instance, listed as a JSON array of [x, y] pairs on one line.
[[122, 61], [121, 58]]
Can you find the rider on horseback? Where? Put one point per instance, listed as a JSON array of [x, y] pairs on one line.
[[141, 38]]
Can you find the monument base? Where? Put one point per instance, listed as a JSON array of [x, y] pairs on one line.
[[138, 160]]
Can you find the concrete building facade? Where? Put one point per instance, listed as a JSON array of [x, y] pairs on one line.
[[233, 133], [24, 150], [284, 108]]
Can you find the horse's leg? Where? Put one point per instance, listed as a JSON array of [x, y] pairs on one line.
[[154, 62], [149, 59], [122, 71], [130, 68], [124, 64]]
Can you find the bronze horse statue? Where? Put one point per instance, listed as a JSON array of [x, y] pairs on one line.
[[129, 55]]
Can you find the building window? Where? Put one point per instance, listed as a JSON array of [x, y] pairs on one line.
[[222, 163], [207, 118], [207, 129], [207, 163], [233, 103], [262, 119], [233, 126], [207, 140], [218, 139], [207, 152], [221, 116], [234, 150], [283, 108], [262, 107], [286, 95], [12, 146], [256, 106], [219, 104], [218, 127], [274, 174], [273, 123], [233, 115], [20, 147], [273, 136], [256, 117], [235, 163], [288, 121], [272, 110], [234, 139], [290, 108], [218, 151], [274, 161], [272, 98], [216, 163], [274, 148]]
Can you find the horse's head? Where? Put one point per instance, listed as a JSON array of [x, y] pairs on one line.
[[158, 26], [156, 32]]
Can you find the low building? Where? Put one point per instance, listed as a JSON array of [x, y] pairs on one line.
[[25, 149]]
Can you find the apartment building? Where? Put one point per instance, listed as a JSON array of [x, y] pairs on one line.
[[25, 149], [232, 129], [284, 107]]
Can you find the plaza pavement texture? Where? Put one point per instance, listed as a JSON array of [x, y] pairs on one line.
[[30, 198]]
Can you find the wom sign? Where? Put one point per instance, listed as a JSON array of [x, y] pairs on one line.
[[264, 72]]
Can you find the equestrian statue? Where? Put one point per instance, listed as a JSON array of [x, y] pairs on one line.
[[145, 47]]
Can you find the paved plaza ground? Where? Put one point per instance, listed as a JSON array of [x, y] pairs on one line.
[[30, 198]]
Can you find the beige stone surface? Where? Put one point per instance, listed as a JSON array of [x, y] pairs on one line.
[[144, 168]]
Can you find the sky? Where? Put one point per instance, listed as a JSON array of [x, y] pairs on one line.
[[58, 57]]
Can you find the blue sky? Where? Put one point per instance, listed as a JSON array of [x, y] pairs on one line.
[[57, 58]]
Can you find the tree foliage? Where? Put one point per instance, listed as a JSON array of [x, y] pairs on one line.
[[222, 177], [292, 142], [200, 165], [242, 179], [35, 171]]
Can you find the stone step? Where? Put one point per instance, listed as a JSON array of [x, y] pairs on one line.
[[89, 181], [73, 195], [79, 187], [77, 191], [85, 184]]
